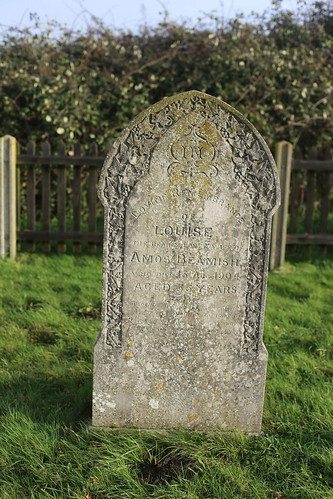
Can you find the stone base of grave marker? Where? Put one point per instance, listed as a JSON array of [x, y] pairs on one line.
[[189, 190]]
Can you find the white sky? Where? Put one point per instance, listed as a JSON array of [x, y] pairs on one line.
[[125, 14]]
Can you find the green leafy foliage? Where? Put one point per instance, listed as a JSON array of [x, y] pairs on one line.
[[277, 70]]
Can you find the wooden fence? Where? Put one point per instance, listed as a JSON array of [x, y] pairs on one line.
[[56, 199], [305, 217], [60, 190]]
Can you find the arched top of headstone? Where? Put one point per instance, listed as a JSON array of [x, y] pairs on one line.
[[229, 140], [189, 188]]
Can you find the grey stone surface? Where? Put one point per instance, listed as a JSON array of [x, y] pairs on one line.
[[189, 190]]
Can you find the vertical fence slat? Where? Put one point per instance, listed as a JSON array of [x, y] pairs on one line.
[[61, 197], [324, 186], [284, 151], [46, 194], [295, 194], [2, 200], [77, 198], [31, 194], [18, 196], [310, 200], [92, 198]]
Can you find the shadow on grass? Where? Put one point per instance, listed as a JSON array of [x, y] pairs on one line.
[[64, 399], [309, 254]]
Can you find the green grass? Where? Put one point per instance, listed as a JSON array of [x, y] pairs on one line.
[[48, 323]]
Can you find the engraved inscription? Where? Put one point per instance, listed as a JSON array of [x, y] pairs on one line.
[[180, 259], [148, 204], [202, 289], [229, 207], [188, 189], [184, 231], [239, 150], [190, 259]]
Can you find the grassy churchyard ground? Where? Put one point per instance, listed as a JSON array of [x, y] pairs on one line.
[[50, 308]]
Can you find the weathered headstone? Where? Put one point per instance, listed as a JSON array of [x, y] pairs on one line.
[[189, 190]]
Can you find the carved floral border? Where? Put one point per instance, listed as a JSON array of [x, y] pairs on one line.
[[129, 161]]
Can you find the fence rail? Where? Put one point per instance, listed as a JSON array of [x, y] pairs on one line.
[[56, 199], [58, 188], [311, 202], [306, 204], [317, 165]]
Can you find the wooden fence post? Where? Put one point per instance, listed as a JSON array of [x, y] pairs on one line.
[[8, 196], [283, 159]]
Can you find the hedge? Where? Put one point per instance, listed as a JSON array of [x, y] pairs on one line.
[[276, 69]]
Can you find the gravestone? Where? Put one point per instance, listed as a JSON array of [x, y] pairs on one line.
[[189, 190]]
